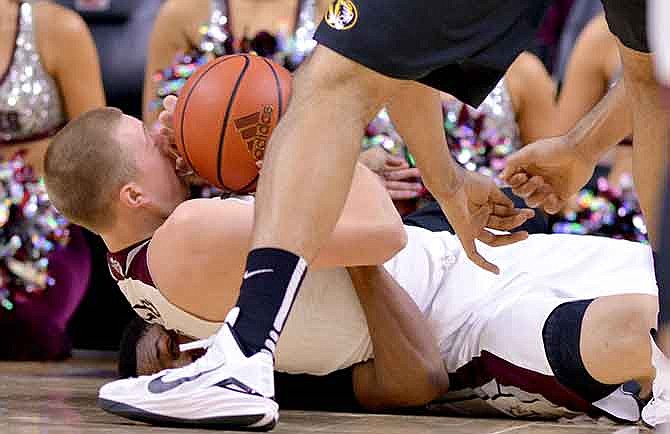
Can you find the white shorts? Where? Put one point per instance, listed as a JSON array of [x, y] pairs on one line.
[[491, 327]]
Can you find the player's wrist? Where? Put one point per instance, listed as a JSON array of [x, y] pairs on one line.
[[580, 145], [449, 184]]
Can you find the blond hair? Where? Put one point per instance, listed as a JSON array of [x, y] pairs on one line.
[[85, 166]]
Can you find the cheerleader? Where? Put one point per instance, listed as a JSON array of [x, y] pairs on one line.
[[49, 73]]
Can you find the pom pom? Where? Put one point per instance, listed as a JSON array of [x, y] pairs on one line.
[[611, 211], [285, 49], [30, 229], [475, 141]]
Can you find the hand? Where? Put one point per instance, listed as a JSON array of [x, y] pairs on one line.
[[399, 179], [379, 161], [164, 136], [547, 173], [476, 204], [402, 184], [163, 130]]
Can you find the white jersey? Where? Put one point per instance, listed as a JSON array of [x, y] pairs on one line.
[[326, 330], [470, 310]]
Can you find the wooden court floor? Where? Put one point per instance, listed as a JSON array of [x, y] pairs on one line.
[[59, 398]]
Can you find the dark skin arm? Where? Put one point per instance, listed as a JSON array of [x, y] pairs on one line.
[[407, 370]]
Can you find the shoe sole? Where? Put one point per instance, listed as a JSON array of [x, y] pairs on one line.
[[233, 423]]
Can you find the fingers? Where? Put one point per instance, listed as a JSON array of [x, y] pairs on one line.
[[478, 259], [400, 174], [512, 168], [507, 223], [517, 180], [166, 120], [506, 211], [497, 240], [500, 198], [553, 204], [182, 167], [170, 104], [516, 162], [259, 164], [393, 162], [537, 199], [532, 186], [169, 149], [399, 190], [403, 195]]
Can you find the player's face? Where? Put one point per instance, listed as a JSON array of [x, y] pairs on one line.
[[157, 177], [158, 349]]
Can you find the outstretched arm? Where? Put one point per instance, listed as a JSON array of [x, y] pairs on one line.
[[548, 172], [471, 202], [407, 370]]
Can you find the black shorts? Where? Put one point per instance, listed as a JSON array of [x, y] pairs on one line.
[[627, 19], [462, 47]]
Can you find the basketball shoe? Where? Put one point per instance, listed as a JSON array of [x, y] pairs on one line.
[[657, 412], [223, 389]]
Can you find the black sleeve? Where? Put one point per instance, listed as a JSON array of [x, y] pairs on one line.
[[333, 392]]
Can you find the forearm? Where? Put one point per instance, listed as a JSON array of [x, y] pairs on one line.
[[369, 230], [609, 122], [416, 111], [407, 369]]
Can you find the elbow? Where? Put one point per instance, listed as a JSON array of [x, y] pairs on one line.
[[393, 238], [431, 384], [399, 237]]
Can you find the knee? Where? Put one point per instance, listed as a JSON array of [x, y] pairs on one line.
[[638, 317]]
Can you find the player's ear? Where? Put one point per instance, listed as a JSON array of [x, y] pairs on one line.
[[132, 195]]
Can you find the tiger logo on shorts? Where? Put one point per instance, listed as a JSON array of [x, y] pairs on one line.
[[342, 15]]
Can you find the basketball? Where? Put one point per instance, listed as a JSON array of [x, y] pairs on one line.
[[225, 116]]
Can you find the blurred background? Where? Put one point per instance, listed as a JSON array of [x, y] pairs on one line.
[[61, 58]]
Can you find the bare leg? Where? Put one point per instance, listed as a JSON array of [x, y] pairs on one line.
[[650, 134], [650, 158], [615, 344], [312, 154]]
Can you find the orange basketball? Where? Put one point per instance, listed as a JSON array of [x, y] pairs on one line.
[[225, 115]]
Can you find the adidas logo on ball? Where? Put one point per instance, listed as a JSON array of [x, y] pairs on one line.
[[255, 130]]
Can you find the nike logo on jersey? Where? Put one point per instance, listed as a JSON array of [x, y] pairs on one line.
[[157, 385], [248, 274]]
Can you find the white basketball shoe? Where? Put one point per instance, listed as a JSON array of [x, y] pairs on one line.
[[223, 389], [657, 412]]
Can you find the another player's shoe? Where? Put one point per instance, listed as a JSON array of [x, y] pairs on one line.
[[657, 411], [222, 389]]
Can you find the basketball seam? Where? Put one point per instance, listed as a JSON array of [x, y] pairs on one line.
[[278, 84], [242, 190], [231, 101], [187, 98]]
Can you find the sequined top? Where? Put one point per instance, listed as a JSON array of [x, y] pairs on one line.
[[479, 139], [289, 50], [499, 112], [30, 103]]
